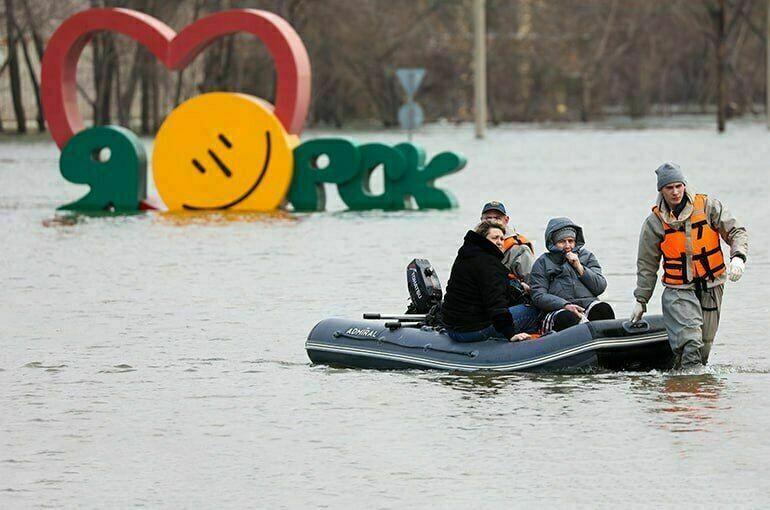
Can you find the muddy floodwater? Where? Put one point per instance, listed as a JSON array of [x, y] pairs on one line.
[[157, 360]]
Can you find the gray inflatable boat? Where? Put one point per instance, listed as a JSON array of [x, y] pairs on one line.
[[598, 345]]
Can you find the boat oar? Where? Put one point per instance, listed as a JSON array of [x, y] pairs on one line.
[[409, 317]]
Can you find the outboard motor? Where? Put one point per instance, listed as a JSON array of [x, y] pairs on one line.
[[424, 286]]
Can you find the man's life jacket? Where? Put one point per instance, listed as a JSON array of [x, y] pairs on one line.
[[707, 259], [517, 240]]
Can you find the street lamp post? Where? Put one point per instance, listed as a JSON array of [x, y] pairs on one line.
[[479, 68]]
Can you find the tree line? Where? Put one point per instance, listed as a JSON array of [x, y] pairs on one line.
[[547, 60]]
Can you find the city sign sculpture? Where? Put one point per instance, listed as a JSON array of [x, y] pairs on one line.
[[223, 150]]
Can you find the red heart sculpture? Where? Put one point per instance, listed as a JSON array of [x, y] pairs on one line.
[[59, 67]]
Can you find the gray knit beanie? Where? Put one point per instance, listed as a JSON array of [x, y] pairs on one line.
[[564, 233], [668, 173]]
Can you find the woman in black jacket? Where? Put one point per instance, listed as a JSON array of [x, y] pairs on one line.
[[476, 303]]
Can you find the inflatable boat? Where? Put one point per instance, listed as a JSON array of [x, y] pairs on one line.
[[591, 346], [416, 340]]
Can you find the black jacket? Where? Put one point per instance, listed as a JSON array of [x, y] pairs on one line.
[[476, 295]]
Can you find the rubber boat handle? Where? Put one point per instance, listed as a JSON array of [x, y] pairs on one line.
[[397, 325], [636, 327]]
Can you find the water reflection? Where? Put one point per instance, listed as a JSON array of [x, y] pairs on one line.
[[680, 402], [687, 402], [68, 219], [186, 218], [491, 384], [174, 218], [481, 384]]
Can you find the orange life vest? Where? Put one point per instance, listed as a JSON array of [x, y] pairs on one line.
[[517, 240], [707, 259]]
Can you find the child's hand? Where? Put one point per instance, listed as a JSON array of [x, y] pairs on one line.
[[518, 337]]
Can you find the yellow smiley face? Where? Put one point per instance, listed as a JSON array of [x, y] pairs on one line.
[[222, 151]]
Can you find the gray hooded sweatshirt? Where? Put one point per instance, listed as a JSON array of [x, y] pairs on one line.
[[555, 282]]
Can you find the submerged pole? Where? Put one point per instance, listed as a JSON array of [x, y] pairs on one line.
[[480, 67], [721, 87]]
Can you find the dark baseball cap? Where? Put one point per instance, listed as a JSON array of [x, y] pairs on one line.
[[494, 206]]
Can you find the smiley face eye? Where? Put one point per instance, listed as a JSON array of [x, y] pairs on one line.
[[219, 163], [225, 170], [197, 165]]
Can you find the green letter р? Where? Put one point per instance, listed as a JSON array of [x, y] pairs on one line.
[[118, 181], [307, 191], [357, 193]]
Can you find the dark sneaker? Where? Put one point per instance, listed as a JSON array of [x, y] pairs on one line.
[[564, 319]]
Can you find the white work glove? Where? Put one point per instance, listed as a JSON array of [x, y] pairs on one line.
[[639, 309], [735, 271]]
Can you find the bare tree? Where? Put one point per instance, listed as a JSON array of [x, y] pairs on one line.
[[554, 60], [33, 79], [13, 67]]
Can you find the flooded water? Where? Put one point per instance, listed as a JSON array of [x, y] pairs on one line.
[[157, 360]]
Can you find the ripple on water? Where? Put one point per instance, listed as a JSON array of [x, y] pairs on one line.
[[215, 396], [737, 369], [118, 369], [39, 364], [287, 364], [48, 481], [50, 453]]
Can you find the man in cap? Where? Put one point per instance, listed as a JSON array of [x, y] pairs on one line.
[[518, 257], [518, 251], [684, 229]]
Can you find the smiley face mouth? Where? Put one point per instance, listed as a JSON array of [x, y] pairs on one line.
[[228, 173]]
